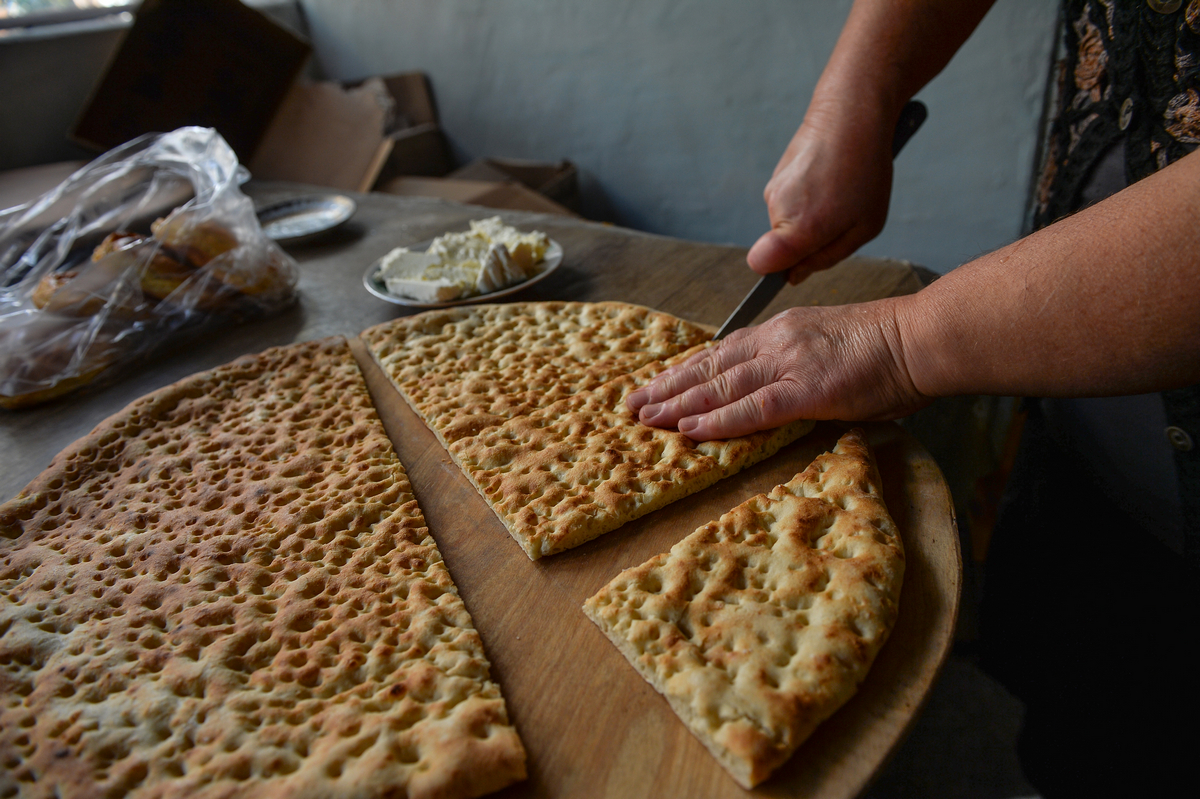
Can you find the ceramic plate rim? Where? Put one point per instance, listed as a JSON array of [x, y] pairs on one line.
[[552, 261], [341, 201]]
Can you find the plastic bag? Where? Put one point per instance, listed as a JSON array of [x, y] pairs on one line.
[[150, 242]]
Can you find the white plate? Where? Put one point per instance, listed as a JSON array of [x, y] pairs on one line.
[[303, 218], [552, 260]]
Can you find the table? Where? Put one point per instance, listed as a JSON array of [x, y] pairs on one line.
[[591, 725]]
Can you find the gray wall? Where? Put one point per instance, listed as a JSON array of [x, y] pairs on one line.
[[45, 81], [676, 111]]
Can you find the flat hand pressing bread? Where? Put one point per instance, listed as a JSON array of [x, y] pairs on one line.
[[529, 399], [583, 466], [758, 626], [228, 590]]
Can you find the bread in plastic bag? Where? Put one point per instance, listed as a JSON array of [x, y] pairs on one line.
[[149, 243]]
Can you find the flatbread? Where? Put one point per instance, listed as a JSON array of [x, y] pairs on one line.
[[228, 590], [529, 399], [759, 625], [584, 466], [468, 368]]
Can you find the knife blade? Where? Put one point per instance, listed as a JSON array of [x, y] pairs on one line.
[[911, 117]]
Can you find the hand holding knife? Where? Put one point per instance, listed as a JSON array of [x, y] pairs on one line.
[[911, 117]]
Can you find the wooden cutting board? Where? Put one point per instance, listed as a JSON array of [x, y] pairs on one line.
[[591, 725]]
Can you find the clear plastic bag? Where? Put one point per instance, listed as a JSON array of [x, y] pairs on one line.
[[151, 242]]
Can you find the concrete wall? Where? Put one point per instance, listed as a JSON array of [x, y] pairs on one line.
[[676, 111], [45, 81]]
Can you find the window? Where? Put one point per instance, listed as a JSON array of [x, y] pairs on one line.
[[28, 13]]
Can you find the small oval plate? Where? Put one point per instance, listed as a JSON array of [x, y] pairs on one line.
[[302, 218], [553, 259]]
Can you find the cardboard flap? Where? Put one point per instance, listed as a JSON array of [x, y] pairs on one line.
[[326, 135], [212, 63]]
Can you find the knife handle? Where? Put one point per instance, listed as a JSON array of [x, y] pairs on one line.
[[912, 115]]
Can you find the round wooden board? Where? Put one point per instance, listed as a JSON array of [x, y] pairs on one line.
[[591, 725]]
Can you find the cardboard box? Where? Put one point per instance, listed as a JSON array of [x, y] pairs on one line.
[[421, 151], [413, 98], [509, 196], [326, 135], [557, 181], [353, 136], [213, 63]]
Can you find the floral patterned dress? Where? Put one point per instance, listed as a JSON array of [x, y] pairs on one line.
[[1084, 615], [1130, 72], [1127, 83]]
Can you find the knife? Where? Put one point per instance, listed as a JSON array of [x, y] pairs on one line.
[[911, 117]]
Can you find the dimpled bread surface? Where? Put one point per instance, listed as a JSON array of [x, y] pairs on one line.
[[585, 465], [758, 626], [529, 399], [228, 590], [468, 368]]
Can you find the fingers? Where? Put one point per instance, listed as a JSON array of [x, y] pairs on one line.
[[774, 253], [834, 252], [699, 369], [763, 409], [723, 389], [781, 249]]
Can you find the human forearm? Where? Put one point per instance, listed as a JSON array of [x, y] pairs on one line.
[[888, 50], [1104, 302], [829, 192]]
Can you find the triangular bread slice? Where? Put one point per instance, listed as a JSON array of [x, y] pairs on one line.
[[759, 625], [529, 400], [228, 590], [583, 466]]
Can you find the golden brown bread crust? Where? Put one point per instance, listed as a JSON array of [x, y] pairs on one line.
[[96, 286], [227, 590], [58, 341], [198, 240], [464, 369], [758, 626], [190, 264], [529, 400], [48, 285], [583, 466]]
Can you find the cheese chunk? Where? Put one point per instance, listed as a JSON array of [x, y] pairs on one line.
[[418, 276], [488, 257], [526, 249]]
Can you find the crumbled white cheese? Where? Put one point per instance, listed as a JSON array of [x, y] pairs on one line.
[[526, 249], [486, 258], [416, 275]]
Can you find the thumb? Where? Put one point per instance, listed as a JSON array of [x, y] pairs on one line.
[[773, 253]]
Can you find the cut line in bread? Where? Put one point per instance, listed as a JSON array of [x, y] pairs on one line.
[[529, 399], [228, 590]]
